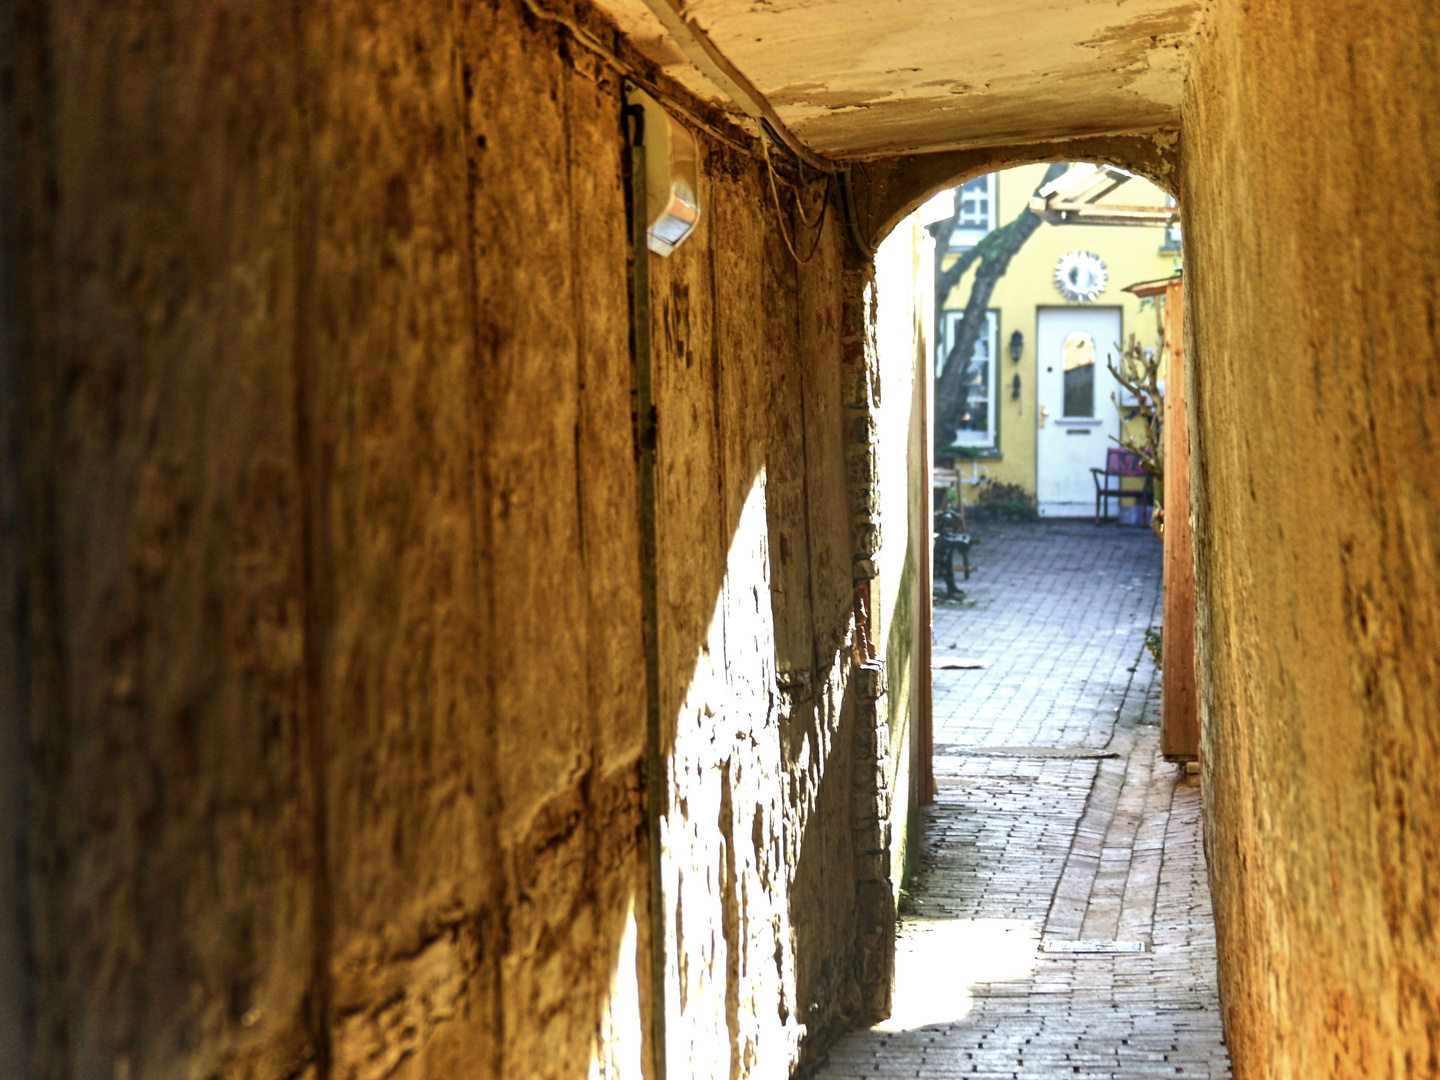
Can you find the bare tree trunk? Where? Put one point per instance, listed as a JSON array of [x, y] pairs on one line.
[[994, 252]]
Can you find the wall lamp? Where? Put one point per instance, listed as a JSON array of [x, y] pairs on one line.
[[672, 176], [1017, 346]]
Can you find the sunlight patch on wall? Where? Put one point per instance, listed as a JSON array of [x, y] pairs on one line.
[[730, 995], [617, 1052]]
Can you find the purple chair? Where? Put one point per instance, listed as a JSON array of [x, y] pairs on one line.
[[1109, 482]]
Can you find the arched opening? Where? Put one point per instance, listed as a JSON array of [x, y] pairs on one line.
[[1060, 858]]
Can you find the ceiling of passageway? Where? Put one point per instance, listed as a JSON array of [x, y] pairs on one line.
[[874, 77]]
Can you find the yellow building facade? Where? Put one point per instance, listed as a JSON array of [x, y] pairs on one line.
[[1040, 411]]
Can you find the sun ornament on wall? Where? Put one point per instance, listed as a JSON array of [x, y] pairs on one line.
[[1081, 276]]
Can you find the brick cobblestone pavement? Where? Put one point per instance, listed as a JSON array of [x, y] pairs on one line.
[[1056, 821]]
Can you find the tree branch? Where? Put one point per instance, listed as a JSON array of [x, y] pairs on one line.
[[993, 252]]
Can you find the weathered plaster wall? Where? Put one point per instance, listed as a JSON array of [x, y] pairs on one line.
[[863, 80], [324, 680], [1312, 231]]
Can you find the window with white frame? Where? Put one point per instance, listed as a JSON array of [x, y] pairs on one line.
[[977, 426], [975, 203]]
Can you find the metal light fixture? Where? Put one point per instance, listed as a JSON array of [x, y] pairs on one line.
[[672, 176], [1017, 346], [1015, 386]]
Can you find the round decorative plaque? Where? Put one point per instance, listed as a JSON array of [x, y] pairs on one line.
[[1081, 276]]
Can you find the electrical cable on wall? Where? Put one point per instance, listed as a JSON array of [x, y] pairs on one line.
[[831, 170], [817, 225]]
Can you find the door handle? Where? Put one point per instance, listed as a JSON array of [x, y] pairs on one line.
[[1044, 413]]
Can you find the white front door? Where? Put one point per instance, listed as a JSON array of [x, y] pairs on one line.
[[1077, 418]]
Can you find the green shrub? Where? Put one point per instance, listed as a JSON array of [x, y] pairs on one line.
[[1154, 644], [1003, 502]]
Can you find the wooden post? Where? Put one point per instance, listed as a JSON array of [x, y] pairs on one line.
[[925, 775], [1179, 706]]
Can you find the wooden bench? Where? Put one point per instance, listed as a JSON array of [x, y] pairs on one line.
[[1110, 482]]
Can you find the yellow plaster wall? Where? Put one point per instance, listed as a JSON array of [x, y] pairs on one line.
[[1131, 254], [1312, 223], [903, 269]]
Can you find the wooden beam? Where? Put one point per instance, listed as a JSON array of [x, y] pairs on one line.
[[1179, 702], [1076, 213], [1157, 287], [695, 43]]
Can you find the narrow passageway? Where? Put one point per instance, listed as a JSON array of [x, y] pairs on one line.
[[1056, 821]]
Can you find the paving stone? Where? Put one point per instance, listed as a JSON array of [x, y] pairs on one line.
[[1029, 840]]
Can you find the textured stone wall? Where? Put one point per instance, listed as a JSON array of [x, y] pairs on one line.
[[324, 683], [1312, 232], [758, 637]]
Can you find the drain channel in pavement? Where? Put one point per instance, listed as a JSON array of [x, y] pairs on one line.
[[1092, 948], [1040, 752]]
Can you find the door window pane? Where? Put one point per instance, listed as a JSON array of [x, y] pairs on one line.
[[1079, 374]]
